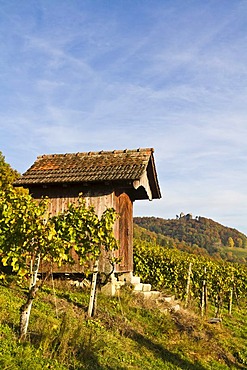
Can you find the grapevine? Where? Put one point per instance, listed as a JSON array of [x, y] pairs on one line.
[[167, 269]]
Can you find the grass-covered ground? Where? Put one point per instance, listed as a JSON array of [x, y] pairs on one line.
[[238, 254], [125, 333]]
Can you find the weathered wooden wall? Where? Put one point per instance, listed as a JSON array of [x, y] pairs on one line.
[[101, 199]]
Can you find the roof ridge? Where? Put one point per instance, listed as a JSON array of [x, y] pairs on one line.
[[104, 152]]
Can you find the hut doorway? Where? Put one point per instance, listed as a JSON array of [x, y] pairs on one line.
[[125, 233]]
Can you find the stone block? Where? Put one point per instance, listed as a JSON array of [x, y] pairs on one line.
[[109, 289], [135, 280], [146, 295], [175, 308], [119, 284], [138, 287], [146, 287], [215, 320], [155, 294], [168, 298], [127, 276]]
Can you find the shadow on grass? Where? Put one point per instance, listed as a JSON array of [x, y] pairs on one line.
[[70, 299], [92, 363], [165, 355], [84, 357], [173, 358]]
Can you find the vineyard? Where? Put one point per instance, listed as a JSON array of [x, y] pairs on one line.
[[191, 277]]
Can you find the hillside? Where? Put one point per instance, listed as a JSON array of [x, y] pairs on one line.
[[126, 333], [196, 235]]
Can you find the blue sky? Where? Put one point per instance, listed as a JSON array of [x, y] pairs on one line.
[[80, 75]]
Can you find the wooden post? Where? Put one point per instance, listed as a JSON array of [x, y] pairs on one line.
[[218, 305], [230, 302], [231, 297], [204, 294], [93, 289], [206, 298], [188, 285]]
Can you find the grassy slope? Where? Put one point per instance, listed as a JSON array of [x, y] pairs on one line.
[[126, 333]]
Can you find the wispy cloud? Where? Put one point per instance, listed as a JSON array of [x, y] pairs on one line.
[[172, 75]]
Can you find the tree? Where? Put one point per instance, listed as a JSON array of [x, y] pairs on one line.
[[239, 243], [25, 239], [7, 174], [28, 235], [230, 242]]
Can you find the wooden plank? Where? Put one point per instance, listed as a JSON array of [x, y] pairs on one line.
[[125, 234]]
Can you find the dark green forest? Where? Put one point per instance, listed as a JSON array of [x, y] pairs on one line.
[[198, 235]]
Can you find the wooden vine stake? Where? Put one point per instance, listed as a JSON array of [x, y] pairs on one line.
[[204, 294], [188, 285], [92, 300], [231, 297]]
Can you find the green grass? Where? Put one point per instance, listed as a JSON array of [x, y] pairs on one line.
[[239, 253], [126, 333]]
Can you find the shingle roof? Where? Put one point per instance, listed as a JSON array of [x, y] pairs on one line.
[[89, 167]]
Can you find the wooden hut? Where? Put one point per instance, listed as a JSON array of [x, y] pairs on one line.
[[106, 179]]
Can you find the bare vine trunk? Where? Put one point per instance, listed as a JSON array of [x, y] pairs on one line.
[[25, 309]]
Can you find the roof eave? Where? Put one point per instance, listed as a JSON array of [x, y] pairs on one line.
[[153, 179]]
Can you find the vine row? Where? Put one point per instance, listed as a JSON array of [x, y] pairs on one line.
[[167, 270]]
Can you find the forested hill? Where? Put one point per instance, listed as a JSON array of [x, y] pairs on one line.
[[199, 232]]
